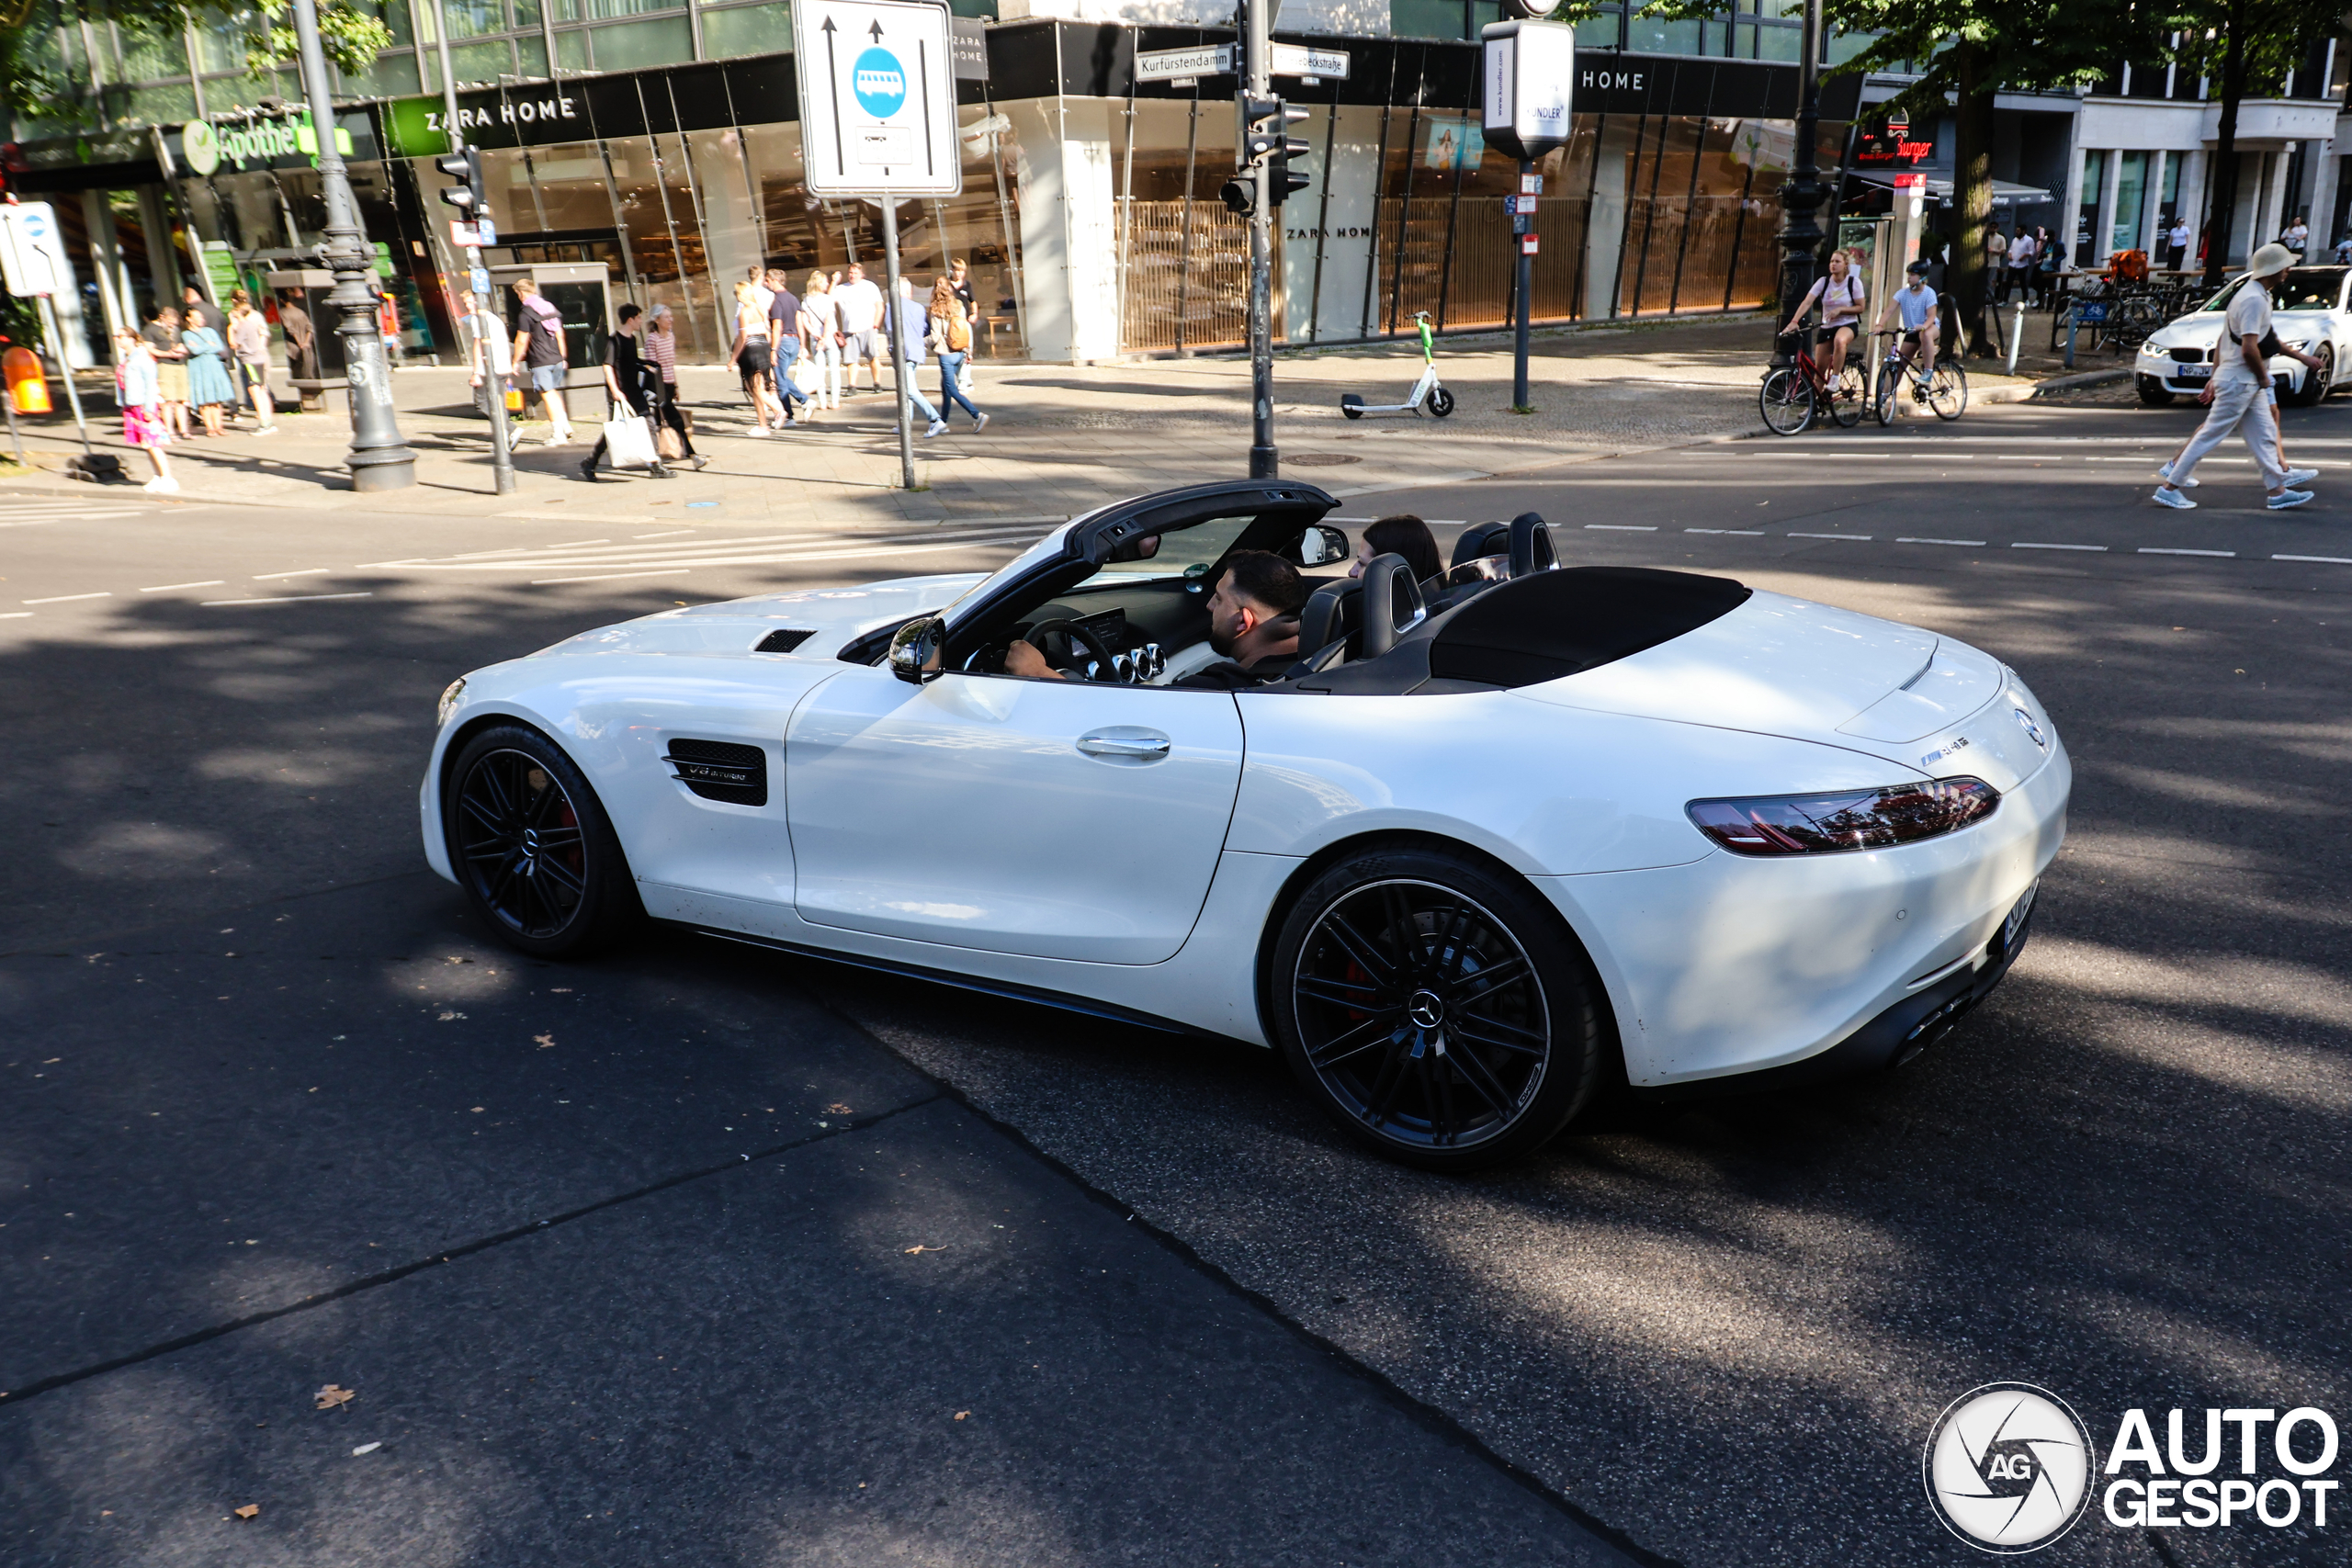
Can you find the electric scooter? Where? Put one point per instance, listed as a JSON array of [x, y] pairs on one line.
[[1426, 393]]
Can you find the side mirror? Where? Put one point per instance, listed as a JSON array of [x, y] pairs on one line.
[[916, 650], [1321, 544]]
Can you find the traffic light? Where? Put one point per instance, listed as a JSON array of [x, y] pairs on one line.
[[1265, 139], [1261, 129], [1280, 180], [472, 198]]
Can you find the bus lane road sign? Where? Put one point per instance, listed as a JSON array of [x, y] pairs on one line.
[[878, 97]]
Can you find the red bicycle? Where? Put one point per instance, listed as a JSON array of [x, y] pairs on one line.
[[1795, 395]]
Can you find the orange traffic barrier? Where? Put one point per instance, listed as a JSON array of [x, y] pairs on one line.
[[28, 383]]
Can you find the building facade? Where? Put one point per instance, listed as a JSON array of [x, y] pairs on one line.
[[664, 144]]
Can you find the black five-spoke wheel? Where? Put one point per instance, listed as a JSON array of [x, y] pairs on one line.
[[531, 846], [1440, 1014]]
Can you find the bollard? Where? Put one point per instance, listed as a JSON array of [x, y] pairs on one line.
[[2017, 336]]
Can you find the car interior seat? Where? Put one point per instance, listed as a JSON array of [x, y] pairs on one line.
[[1331, 617]]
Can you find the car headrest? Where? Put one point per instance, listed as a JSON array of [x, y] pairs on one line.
[[1392, 603], [1481, 540], [1531, 544], [1329, 612]]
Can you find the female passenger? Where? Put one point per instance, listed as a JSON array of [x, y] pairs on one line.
[[1403, 535]]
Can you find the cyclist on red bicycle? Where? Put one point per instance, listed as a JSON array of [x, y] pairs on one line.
[[1840, 297]]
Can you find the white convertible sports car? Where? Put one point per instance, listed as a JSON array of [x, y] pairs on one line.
[[1498, 840], [2308, 310]]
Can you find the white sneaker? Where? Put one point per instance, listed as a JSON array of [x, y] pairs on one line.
[[980, 422], [2174, 499], [938, 427], [267, 429], [2285, 499], [2164, 472], [161, 483], [2301, 476]]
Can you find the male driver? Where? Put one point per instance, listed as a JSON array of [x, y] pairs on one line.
[[1915, 306], [1253, 624], [859, 300], [2241, 390]]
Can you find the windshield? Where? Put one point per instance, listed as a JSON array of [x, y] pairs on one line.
[[1044, 549], [1185, 552], [2303, 288]]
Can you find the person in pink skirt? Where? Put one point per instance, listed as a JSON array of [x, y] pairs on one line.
[[136, 389]]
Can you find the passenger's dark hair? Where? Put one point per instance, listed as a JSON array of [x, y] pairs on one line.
[[1405, 534], [1266, 579], [629, 312]]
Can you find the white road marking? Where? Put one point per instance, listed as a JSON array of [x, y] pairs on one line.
[[2057, 547], [64, 598], [1747, 533], [169, 587], [2328, 561], [306, 571], [282, 599], [1624, 527], [18, 616], [1972, 543], [607, 577], [1860, 538], [670, 535], [2152, 550]]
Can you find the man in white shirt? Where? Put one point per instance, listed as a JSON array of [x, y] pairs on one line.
[[2021, 273], [1915, 306], [2178, 240], [2241, 392], [2298, 236], [860, 304]]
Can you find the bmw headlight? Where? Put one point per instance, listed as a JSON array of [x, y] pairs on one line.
[[449, 700]]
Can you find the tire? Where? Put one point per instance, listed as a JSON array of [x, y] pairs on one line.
[[1948, 390], [533, 847], [2152, 392], [2318, 383], [1352, 405], [1441, 401], [1385, 1003], [1890, 383], [1786, 402], [1849, 396]]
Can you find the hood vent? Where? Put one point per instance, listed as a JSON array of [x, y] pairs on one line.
[[781, 641], [721, 770]]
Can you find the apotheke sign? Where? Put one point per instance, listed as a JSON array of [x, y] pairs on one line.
[[206, 145]]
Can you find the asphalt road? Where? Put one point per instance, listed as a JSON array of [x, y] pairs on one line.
[[247, 1037]]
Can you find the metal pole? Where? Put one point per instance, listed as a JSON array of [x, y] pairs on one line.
[[1526, 283], [379, 459], [1801, 197], [1265, 462], [64, 368], [502, 460], [896, 318], [15, 437]]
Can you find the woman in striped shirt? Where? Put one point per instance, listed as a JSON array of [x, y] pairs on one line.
[[662, 347]]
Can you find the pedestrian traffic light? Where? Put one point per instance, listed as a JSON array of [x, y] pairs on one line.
[[472, 197]]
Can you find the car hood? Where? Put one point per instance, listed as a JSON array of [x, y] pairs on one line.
[[1806, 671], [2204, 328], [831, 616]]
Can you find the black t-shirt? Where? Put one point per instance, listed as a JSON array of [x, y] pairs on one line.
[[783, 317], [963, 292], [546, 346], [635, 373]]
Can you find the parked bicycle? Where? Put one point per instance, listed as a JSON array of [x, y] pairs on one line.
[[1943, 387], [1795, 395]]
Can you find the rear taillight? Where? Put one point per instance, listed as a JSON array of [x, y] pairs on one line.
[[1843, 819]]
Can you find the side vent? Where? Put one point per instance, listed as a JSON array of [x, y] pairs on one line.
[[721, 769], [781, 641]]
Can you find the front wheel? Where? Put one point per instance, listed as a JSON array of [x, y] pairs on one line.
[[1440, 1010], [533, 847], [1786, 402], [1890, 383], [2318, 381], [1849, 396], [2153, 393], [1441, 401], [1948, 390]]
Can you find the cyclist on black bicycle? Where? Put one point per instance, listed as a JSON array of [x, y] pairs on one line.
[[1915, 306], [1840, 297]]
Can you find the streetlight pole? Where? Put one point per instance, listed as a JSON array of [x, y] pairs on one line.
[[379, 459], [486, 324], [1265, 461], [1801, 197]]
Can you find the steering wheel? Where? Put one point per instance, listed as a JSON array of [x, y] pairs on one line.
[[1094, 646]]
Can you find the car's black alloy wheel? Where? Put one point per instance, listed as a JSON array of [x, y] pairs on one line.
[[532, 847], [1439, 1010]]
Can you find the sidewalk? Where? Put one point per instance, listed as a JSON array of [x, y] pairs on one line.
[[1061, 439]]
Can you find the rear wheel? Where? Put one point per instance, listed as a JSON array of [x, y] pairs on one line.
[[1786, 402], [1441, 402], [1849, 396], [533, 847], [1438, 1009], [1948, 390], [2152, 392]]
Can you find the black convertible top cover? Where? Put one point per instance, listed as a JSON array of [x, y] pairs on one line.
[[1553, 624]]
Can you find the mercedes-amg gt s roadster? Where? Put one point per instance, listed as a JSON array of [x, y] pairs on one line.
[[1497, 837]]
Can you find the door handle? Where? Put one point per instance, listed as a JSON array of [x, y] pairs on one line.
[[1125, 745]]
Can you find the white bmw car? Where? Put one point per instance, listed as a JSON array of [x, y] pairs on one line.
[[2310, 310], [1497, 840]]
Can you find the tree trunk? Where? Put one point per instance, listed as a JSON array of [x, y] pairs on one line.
[[2224, 183], [1972, 191]]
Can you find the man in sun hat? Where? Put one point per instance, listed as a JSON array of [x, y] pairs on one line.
[[2241, 392]]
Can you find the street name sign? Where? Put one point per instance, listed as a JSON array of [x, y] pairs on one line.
[[1527, 72], [1217, 60], [878, 97], [32, 254]]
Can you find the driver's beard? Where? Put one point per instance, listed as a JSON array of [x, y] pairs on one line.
[[1223, 642]]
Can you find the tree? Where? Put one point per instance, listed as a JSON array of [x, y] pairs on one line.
[[1970, 49], [2241, 44]]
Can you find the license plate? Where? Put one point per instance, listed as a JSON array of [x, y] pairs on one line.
[[2016, 922], [2194, 372]]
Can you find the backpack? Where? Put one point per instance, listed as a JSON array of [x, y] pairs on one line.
[[959, 333]]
